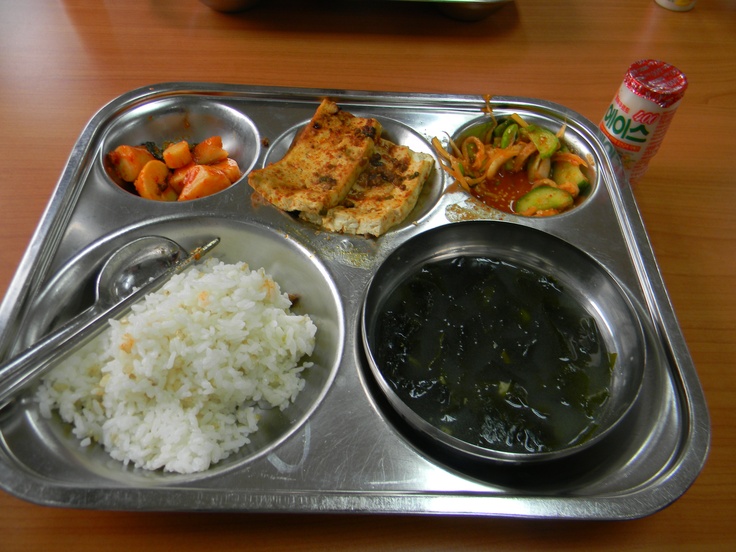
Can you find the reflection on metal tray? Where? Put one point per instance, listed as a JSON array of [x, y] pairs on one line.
[[340, 448]]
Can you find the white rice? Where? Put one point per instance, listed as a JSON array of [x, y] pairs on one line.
[[174, 385]]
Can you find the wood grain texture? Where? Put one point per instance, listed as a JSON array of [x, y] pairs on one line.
[[60, 61]]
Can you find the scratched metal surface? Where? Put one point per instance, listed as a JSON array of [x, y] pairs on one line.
[[340, 448]]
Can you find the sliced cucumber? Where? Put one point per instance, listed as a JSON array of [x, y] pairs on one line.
[[543, 198], [546, 142], [562, 172]]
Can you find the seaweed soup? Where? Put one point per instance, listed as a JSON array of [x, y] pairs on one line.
[[494, 354]]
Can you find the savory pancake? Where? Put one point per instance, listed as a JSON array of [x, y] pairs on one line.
[[323, 163], [382, 196]]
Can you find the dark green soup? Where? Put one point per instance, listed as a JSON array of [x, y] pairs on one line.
[[494, 354]]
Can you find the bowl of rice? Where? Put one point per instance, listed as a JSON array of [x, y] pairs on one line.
[[218, 367]]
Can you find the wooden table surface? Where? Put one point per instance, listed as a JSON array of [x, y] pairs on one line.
[[60, 61]]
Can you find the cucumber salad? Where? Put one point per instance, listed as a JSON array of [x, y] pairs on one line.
[[516, 167]]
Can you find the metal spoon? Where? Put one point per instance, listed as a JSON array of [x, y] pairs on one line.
[[137, 268]]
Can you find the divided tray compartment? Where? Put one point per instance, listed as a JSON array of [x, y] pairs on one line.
[[296, 270], [572, 278], [341, 448]]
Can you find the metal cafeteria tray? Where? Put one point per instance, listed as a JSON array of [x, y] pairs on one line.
[[340, 449]]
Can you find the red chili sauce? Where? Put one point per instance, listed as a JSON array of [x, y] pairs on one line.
[[502, 192]]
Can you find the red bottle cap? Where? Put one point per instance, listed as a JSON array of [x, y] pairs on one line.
[[656, 81]]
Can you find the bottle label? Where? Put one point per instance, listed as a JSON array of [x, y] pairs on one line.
[[636, 128]]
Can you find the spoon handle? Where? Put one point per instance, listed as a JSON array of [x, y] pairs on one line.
[[36, 360]]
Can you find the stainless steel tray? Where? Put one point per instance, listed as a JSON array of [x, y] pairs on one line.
[[342, 450]]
